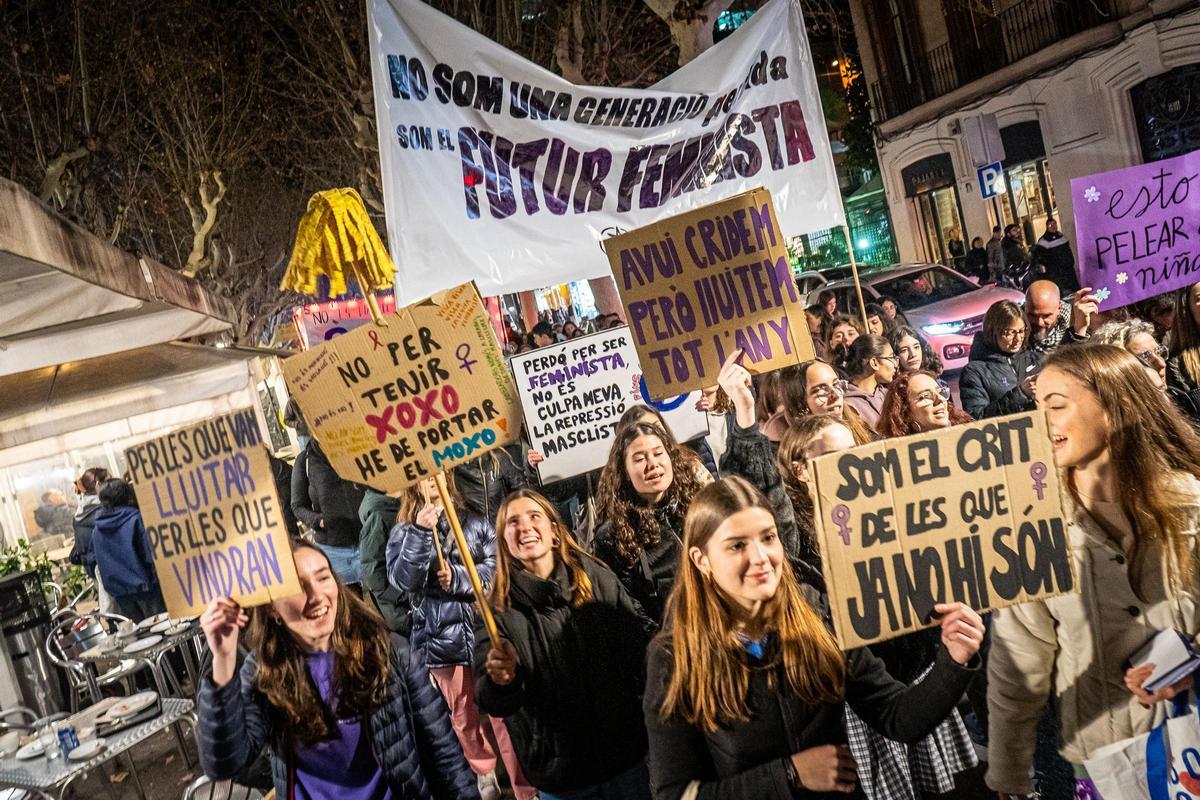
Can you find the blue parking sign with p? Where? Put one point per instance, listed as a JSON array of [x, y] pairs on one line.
[[991, 180]]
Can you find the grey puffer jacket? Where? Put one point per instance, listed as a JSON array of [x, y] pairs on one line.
[[443, 623], [410, 733]]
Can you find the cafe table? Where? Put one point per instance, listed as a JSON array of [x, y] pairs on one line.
[[53, 776]]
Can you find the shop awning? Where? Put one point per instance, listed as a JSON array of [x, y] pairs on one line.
[[66, 295], [115, 396]]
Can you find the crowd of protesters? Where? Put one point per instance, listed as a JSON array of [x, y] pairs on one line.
[[669, 636]]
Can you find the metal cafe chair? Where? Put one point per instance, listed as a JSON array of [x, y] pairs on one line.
[[73, 634], [205, 789]]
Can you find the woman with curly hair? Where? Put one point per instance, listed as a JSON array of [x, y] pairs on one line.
[[644, 493], [345, 711], [915, 403]]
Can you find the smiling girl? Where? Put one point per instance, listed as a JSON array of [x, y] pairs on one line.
[[1131, 466], [345, 711], [746, 686], [568, 671], [644, 493]]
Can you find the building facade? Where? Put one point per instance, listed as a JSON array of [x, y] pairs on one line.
[[1067, 87]]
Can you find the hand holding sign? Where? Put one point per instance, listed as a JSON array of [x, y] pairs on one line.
[[221, 622], [735, 380], [962, 631], [1083, 309]]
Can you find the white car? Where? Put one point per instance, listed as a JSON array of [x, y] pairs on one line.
[[944, 305]]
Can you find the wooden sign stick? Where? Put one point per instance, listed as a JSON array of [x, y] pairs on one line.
[[464, 551], [437, 542]]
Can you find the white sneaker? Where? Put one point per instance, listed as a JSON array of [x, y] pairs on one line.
[[489, 787]]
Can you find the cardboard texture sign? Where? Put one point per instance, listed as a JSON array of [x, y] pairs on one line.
[[212, 516], [574, 393], [971, 514], [393, 405], [700, 285]]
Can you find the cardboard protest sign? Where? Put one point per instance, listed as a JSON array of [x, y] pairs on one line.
[[393, 405], [574, 393], [213, 518], [1138, 229], [700, 285], [970, 514]]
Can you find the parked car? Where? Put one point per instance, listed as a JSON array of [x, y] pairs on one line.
[[943, 304]]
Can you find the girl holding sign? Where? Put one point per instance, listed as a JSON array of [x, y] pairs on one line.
[[1131, 464], [425, 567], [568, 673], [746, 686], [345, 710]]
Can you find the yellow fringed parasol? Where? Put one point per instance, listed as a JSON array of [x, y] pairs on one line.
[[335, 235]]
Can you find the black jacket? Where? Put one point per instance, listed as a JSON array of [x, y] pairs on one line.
[[747, 759], [990, 383], [281, 472], [378, 514], [81, 552], [574, 709], [1053, 254], [485, 482], [648, 579], [411, 735], [443, 623], [976, 264], [752, 456], [320, 495], [1014, 253], [1182, 390]]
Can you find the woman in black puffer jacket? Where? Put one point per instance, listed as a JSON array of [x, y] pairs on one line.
[[342, 707], [438, 590], [568, 672], [998, 377]]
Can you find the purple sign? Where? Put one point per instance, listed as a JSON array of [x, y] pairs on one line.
[[1138, 229]]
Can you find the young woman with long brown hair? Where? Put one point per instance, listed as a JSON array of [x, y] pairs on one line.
[[814, 387], [746, 686], [568, 671], [644, 493], [1131, 465], [438, 590], [344, 709]]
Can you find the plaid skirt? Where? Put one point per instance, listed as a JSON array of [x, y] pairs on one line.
[[889, 770]]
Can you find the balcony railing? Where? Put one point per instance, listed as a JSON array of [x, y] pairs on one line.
[[1022, 29]]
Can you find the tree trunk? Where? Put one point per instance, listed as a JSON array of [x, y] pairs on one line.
[[691, 31], [204, 218]]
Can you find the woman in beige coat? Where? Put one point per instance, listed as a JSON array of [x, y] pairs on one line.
[[1130, 465]]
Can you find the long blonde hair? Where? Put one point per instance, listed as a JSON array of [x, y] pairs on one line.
[[1148, 442], [566, 551], [710, 681]]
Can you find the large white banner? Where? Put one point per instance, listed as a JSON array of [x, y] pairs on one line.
[[573, 393], [498, 171]]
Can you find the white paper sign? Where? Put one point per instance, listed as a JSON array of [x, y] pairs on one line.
[[574, 393], [499, 171]]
